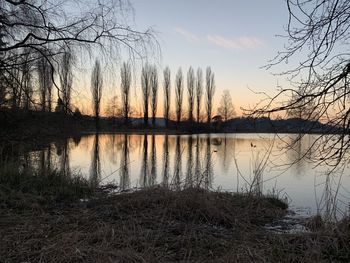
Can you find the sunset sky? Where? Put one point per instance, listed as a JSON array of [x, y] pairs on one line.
[[235, 37]]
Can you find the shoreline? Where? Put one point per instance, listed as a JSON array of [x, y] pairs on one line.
[[161, 225], [48, 216]]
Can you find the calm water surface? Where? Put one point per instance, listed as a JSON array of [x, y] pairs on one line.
[[230, 162]]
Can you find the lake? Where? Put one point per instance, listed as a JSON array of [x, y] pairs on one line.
[[228, 162]]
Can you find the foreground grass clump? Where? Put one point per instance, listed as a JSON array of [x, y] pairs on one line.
[[29, 189], [154, 225]]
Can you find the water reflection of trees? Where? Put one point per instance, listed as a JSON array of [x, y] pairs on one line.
[[189, 172], [166, 161], [176, 180], [112, 147], [299, 152], [62, 151], [208, 172], [153, 174], [144, 166], [76, 140], [125, 162], [45, 160], [226, 156], [95, 168], [197, 169]]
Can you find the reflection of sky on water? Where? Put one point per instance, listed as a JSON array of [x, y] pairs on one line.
[[227, 162]]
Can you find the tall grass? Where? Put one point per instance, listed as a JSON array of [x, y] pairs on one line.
[[21, 188]]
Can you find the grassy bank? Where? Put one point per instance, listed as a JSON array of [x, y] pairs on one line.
[[43, 219]]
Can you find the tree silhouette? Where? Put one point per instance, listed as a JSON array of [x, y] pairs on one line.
[[179, 90], [199, 91], [190, 91], [13, 84], [46, 29], [2, 76], [146, 90], [96, 90], [125, 73], [209, 92], [66, 78], [113, 108], [226, 109], [154, 93], [167, 94], [303, 110], [26, 81], [318, 34], [45, 83]]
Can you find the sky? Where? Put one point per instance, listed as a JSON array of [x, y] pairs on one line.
[[235, 37]]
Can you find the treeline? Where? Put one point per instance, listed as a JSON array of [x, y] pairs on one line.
[[29, 83], [195, 90], [40, 46], [31, 88], [38, 40], [189, 89]]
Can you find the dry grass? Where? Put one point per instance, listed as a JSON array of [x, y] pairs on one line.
[[159, 225], [154, 225], [23, 190]]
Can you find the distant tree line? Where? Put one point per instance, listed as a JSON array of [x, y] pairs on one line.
[[196, 90], [40, 45]]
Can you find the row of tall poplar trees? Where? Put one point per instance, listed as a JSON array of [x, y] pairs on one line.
[[196, 89]]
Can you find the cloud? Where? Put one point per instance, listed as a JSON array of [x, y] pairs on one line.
[[236, 43], [187, 35]]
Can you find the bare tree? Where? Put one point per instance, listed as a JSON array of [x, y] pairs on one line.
[[179, 90], [13, 85], [66, 78], [167, 92], [154, 93], [209, 92], [125, 74], [303, 110], [190, 91], [199, 91], [318, 35], [2, 76], [45, 83], [146, 89], [226, 109], [96, 90], [113, 108], [26, 82], [46, 29]]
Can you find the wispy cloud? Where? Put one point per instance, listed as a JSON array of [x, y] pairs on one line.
[[187, 35], [236, 43]]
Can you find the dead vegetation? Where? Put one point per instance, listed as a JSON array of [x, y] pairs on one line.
[[155, 225]]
